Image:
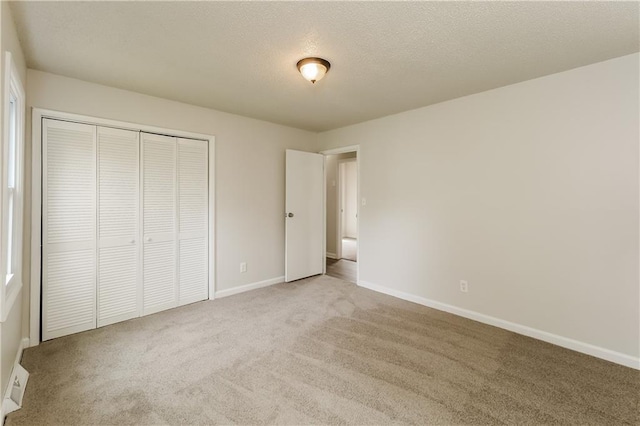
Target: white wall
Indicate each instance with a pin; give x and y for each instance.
(530, 192)
(11, 329)
(249, 168)
(11, 334)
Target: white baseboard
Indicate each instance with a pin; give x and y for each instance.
(249, 287)
(24, 343)
(565, 342)
(332, 255)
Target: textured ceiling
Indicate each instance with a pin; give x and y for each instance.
(386, 57)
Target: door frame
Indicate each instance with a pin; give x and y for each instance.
(35, 285)
(335, 151)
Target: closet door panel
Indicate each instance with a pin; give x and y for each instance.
(118, 225)
(159, 222)
(159, 276)
(69, 152)
(117, 284)
(68, 228)
(70, 293)
(193, 279)
(193, 220)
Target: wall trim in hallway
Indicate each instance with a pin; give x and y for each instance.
(249, 287)
(332, 255)
(575, 345)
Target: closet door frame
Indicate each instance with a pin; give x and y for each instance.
(38, 114)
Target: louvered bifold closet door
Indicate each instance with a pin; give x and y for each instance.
(68, 228)
(159, 223)
(118, 224)
(193, 211)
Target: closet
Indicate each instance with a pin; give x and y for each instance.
(124, 225)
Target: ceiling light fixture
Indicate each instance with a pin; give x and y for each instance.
(313, 69)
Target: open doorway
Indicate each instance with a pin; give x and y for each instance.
(341, 174)
(347, 209)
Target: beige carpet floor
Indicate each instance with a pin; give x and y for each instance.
(317, 351)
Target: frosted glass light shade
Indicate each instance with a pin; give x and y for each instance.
(313, 69)
(313, 72)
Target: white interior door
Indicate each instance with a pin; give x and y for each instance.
(159, 221)
(118, 225)
(193, 202)
(68, 228)
(304, 207)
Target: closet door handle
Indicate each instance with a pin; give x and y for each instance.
(132, 241)
(148, 239)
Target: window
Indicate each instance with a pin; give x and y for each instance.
(12, 186)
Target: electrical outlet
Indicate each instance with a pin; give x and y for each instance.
(243, 267)
(464, 286)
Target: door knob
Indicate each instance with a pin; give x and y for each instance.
(290, 215)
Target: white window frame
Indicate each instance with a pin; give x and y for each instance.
(12, 196)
